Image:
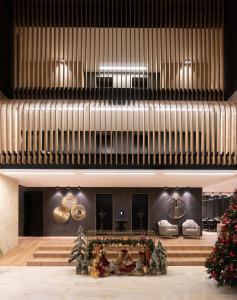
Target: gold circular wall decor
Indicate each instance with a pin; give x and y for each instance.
(78, 212)
(176, 208)
(69, 201)
(61, 214)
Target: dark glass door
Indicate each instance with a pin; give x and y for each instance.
(139, 211)
(33, 213)
(104, 211)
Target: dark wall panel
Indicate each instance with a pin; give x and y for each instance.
(122, 199)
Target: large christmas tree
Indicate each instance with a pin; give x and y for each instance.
(222, 262)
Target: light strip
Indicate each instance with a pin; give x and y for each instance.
(35, 173)
(122, 68)
(119, 173)
(200, 173)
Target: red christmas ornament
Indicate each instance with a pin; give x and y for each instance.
(232, 254)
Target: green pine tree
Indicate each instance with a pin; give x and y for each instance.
(78, 253)
(162, 258)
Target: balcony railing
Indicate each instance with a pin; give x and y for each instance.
(99, 133)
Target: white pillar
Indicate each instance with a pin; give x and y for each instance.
(8, 213)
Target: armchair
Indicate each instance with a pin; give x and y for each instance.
(191, 228)
(167, 229)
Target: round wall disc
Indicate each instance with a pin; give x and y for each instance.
(78, 212)
(61, 214)
(69, 201)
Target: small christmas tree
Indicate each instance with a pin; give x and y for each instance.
(162, 258)
(222, 262)
(78, 253)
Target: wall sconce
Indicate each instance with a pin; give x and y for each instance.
(122, 213)
(187, 61)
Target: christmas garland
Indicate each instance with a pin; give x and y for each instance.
(128, 242)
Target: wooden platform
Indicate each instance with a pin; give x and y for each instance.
(54, 251)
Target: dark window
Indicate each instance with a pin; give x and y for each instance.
(104, 81)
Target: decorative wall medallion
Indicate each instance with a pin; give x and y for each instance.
(69, 201)
(176, 208)
(61, 214)
(78, 212)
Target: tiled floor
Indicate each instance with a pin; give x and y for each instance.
(42, 283)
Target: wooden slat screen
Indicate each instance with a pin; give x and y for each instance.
(97, 133)
(119, 49)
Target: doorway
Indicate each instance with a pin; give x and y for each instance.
(33, 213)
(139, 211)
(104, 211)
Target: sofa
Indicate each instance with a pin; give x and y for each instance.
(167, 229)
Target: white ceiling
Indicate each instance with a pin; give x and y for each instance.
(215, 180)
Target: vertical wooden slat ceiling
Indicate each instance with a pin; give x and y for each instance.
(97, 133)
(119, 49)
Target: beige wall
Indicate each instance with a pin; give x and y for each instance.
(8, 213)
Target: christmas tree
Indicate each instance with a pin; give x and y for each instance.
(161, 258)
(79, 253)
(222, 262)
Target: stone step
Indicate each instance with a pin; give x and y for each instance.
(198, 261)
(188, 247)
(66, 254)
(117, 248)
(188, 253)
(64, 262)
(51, 254)
(55, 248)
(49, 262)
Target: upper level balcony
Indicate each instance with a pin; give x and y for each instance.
(118, 50)
(98, 134)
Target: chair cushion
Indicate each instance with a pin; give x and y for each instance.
(165, 223)
(190, 224)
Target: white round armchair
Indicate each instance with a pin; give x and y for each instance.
(191, 228)
(167, 229)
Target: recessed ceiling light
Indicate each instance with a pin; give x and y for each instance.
(38, 173)
(201, 173)
(119, 173)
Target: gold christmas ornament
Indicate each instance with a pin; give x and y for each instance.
(78, 212)
(69, 201)
(61, 214)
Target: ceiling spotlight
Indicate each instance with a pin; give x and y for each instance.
(176, 188)
(79, 188)
(68, 188)
(166, 188)
(62, 60)
(57, 188)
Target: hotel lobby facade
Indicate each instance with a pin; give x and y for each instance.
(115, 116)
